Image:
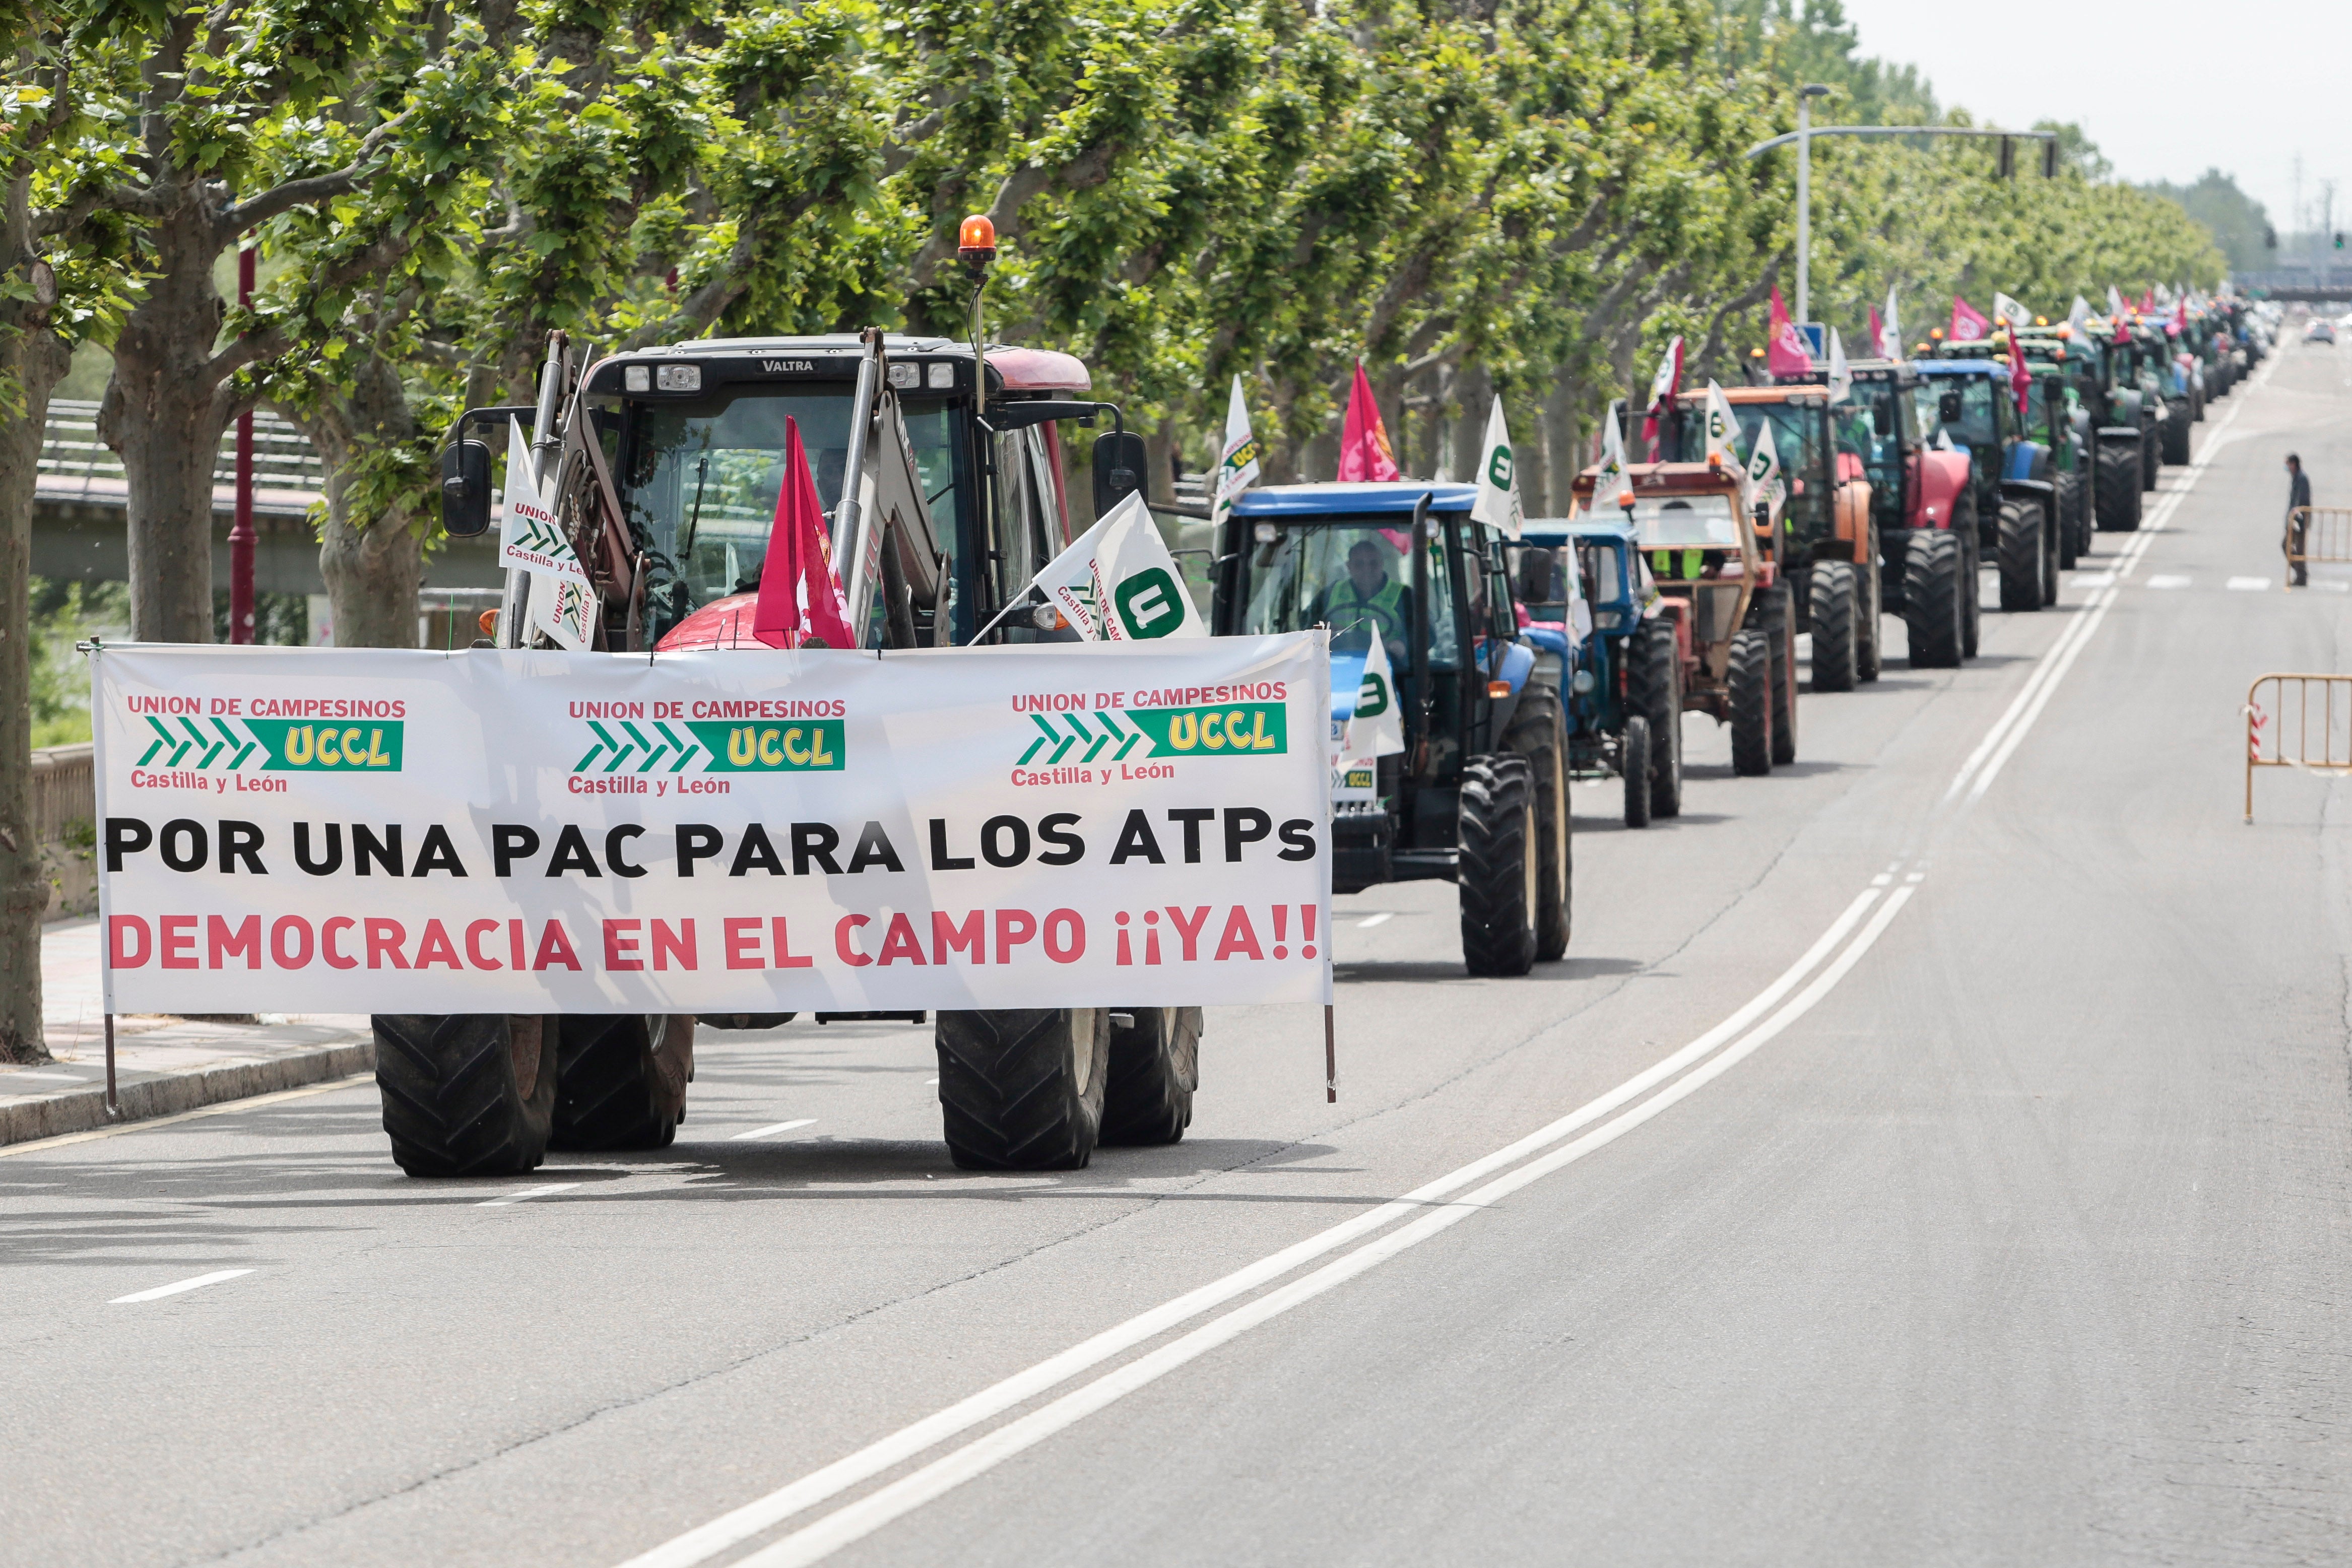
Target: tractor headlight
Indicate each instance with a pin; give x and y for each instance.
(678, 377)
(638, 378)
(1583, 683)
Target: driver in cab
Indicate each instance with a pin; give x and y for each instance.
(1370, 598)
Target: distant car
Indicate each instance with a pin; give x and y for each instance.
(2320, 332)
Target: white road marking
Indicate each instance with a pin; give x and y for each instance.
(527, 1193)
(2091, 579)
(729, 1529)
(2168, 580)
(1369, 922)
(929, 1082)
(870, 1513)
(2000, 742)
(2248, 585)
(2333, 587)
(198, 1283)
(778, 1127)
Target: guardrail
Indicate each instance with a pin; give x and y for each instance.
(75, 466)
(2317, 536)
(64, 791)
(2268, 729)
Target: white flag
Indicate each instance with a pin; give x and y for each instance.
(1890, 327)
(1376, 728)
(1498, 482)
(2114, 303)
(1116, 583)
(1610, 477)
(1238, 464)
(1764, 466)
(2078, 319)
(1722, 426)
(558, 600)
(2005, 308)
(1841, 376)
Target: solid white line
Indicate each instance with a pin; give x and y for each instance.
(198, 1283)
(2248, 585)
(778, 1127)
(1369, 922)
(707, 1540)
(870, 1513)
(527, 1193)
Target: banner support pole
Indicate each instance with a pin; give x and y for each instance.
(1330, 1056)
(114, 1101)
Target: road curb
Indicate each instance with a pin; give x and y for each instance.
(81, 1110)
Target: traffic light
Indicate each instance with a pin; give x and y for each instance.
(2007, 159)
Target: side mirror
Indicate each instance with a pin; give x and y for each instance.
(466, 490)
(1120, 460)
(1537, 567)
(1947, 408)
(1882, 419)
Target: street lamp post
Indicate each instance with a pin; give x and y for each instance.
(1805, 96)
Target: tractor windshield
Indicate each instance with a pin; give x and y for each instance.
(701, 476)
(1352, 575)
(1701, 521)
(1964, 413)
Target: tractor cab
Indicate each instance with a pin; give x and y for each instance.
(2011, 479)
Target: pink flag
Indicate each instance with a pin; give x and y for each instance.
(2020, 377)
(1877, 332)
(1364, 449)
(1662, 388)
(1787, 354)
(2147, 301)
(1967, 326)
(800, 603)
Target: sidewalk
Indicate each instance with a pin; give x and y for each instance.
(162, 1065)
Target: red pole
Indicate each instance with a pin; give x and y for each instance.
(241, 533)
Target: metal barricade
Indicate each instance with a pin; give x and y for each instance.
(2316, 536)
(2280, 735)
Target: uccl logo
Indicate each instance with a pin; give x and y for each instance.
(286, 745)
(718, 746)
(1228, 730)
(1372, 698)
(1149, 603)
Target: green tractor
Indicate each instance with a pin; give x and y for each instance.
(2061, 400)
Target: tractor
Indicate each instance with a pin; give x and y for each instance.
(940, 469)
(1623, 679)
(1719, 561)
(1833, 568)
(2058, 410)
(1478, 797)
(2011, 473)
(1923, 507)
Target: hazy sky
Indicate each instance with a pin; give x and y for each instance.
(2242, 87)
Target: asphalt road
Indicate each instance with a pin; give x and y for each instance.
(1989, 1205)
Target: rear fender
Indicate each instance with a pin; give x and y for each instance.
(2026, 462)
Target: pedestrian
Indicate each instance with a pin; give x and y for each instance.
(2298, 516)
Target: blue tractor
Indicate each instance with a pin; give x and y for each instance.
(1623, 678)
(1478, 797)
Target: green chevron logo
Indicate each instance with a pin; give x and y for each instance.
(284, 745)
(1244, 728)
(615, 750)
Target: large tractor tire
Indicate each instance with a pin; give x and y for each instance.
(1781, 626)
(1496, 865)
(2118, 484)
(1932, 610)
(2196, 406)
(1155, 1066)
(621, 1080)
(2151, 454)
(745, 1020)
(1633, 754)
(1653, 689)
(2066, 502)
(1539, 732)
(2176, 433)
(466, 1094)
(1022, 1088)
(2021, 554)
(1833, 615)
(1751, 678)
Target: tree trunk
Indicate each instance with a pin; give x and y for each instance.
(33, 359)
(1474, 390)
(373, 566)
(1563, 453)
(162, 415)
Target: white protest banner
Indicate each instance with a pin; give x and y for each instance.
(365, 830)
(1123, 563)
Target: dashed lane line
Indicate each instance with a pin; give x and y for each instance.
(770, 1131)
(527, 1193)
(178, 1287)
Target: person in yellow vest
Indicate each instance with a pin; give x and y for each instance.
(1370, 598)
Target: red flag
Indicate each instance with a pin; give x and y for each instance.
(2147, 301)
(1877, 332)
(2020, 377)
(1364, 449)
(1786, 354)
(1967, 326)
(800, 603)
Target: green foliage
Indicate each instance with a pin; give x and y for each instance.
(62, 615)
(2237, 221)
